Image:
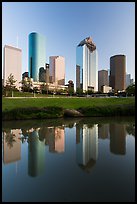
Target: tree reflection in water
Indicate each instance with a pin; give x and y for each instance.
(10, 139)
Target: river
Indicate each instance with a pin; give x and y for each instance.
(69, 160)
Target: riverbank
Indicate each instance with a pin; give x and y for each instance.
(42, 108)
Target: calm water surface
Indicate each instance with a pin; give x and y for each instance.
(80, 160)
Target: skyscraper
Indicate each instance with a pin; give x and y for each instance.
(57, 69)
(118, 72)
(37, 56)
(87, 65)
(12, 63)
(47, 72)
(102, 78)
(128, 80)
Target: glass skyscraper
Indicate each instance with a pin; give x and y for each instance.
(87, 65)
(37, 56)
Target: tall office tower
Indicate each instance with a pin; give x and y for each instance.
(102, 79)
(37, 56)
(118, 72)
(57, 69)
(42, 74)
(128, 80)
(87, 65)
(47, 72)
(78, 84)
(12, 63)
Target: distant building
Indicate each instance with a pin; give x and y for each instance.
(42, 74)
(86, 65)
(78, 84)
(106, 89)
(47, 73)
(118, 72)
(12, 63)
(57, 70)
(128, 78)
(37, 56)
(25, 74)
(102, 79)
(131, 81)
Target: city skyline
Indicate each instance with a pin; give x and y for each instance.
(65, 24)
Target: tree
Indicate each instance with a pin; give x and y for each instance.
(10, 82)
(79, 91)
(10, 139)
(27, 84)
(130, 90)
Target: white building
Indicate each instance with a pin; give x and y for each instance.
(12, 63)
(106, 89)
(87, 63)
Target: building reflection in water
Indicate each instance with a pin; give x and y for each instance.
(86, 146)
(36, 154)
(59, 140)
(118, 138)
(11, 146)
(54, 137)
(103, 131)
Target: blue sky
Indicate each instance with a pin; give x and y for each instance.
(65, 24)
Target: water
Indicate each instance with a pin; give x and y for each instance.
(72, 160)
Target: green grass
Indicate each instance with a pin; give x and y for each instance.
(41, 108)
(70, 103)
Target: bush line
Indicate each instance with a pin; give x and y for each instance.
(57, 112)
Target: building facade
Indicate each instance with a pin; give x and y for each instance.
(37, 55)
(57, 70)
(86, 65)
(12, 64)
(102, 79)
(118, 72)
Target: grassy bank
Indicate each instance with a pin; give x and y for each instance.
(29, 108)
